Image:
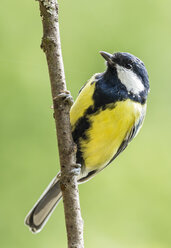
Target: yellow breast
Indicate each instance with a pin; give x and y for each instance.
(83, 101)
(108, 129)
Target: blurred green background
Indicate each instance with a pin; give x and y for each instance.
(128, 205)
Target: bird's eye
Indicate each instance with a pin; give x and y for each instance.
(128, 66)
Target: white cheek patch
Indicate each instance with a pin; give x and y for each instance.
(130, 80)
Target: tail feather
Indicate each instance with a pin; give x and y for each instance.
(40, 213)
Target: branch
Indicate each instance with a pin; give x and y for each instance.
(61, 101)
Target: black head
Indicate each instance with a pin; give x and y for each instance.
(127, 65)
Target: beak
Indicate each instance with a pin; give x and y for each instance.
(107, 56)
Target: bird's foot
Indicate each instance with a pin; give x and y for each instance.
(76, 169)
(64, 96)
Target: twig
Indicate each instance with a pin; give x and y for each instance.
(61, 100)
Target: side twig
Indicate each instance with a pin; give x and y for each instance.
(61, 101)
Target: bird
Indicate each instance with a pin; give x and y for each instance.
(107, 114)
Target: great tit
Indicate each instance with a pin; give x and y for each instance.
(107, 114)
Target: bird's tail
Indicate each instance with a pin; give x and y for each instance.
(44, 207)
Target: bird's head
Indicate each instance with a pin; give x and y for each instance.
(130, 70)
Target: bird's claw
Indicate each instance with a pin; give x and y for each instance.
(66, 97)
(76, 169)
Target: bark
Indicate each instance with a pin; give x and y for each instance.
(62, 102)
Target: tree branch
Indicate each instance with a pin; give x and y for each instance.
(61, 101)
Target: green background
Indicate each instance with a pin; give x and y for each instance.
(128, 205)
